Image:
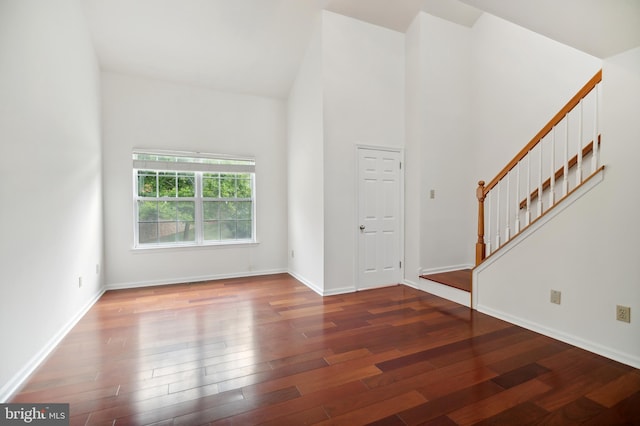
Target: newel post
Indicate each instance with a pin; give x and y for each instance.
(480, 245)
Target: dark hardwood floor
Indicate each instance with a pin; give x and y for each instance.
(268, 350)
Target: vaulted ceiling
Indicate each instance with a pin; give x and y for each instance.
(255, 46)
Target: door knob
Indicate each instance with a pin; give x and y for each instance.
(362, 227)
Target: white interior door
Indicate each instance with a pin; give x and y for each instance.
(379, 218)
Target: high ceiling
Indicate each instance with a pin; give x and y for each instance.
(255, 46)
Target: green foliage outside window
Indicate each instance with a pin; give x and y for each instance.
(225, 200)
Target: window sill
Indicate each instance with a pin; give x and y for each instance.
(186, 247)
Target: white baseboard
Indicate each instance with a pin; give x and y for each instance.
(139, 284)
(446, 292)
(320, 291)
(427, 271)
(306, 282)
(18, 379)
(341, 290)
(579, 342)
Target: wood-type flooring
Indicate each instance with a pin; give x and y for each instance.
(267, 350)
(460, 279)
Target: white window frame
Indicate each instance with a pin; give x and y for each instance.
(198, 164)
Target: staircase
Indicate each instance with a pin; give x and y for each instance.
(559, 164)
(560, 160)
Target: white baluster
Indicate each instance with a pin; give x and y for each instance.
(552, 179)
(527, 214)
(517, 222)
(579, 164)
(498, 215)
(540, 180)
(488, 243)
(594, 159)
(565, 177)
(508, 212)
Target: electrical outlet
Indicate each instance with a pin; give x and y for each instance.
(79, 282)
(556, 296)
(432, 194)
(623, 313)
(293, 254)
(97, 268)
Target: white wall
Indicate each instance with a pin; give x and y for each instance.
(363, 79)
(50, 180)
(305, 162)
(589, 252)
(414, 131)
(145, 113)
(446, 234)
(520, 80)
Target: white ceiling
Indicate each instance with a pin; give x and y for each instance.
(255, 46)
(245, 46)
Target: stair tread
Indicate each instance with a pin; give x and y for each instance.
(460, 279)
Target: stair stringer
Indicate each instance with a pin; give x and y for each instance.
(518, 291)
(530, 230)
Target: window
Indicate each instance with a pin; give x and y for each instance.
(189, 199)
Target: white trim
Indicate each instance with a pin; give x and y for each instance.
(380, 148)
(411, 284)
(441, 290)
(183, 280)
(623, 357)
(192, 167)
(191, 154)
(306, 282)
(452, 294)
(23, 374)
(442, 269)
(341, 290)
(181, 247)
(318, 290)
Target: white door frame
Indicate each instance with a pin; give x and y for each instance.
(356, 219)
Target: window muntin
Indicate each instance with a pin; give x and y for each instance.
(175, 207)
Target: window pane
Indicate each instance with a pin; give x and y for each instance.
(167, 211)
(187, 211)
(147, 232)
(211, 185)
(212, 230)
(244, 186)
(211, 210)
(147, 211)
(228, 186)
(244, 209)
(227, 230)
(226, 200)
(167, 232)
(147, 184)
(228, 210)
(167, 184)
(186, 231)
(244, 229)
(186, 185)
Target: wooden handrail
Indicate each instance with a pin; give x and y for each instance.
(483, 189)
(597, 78)
(560, 172)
